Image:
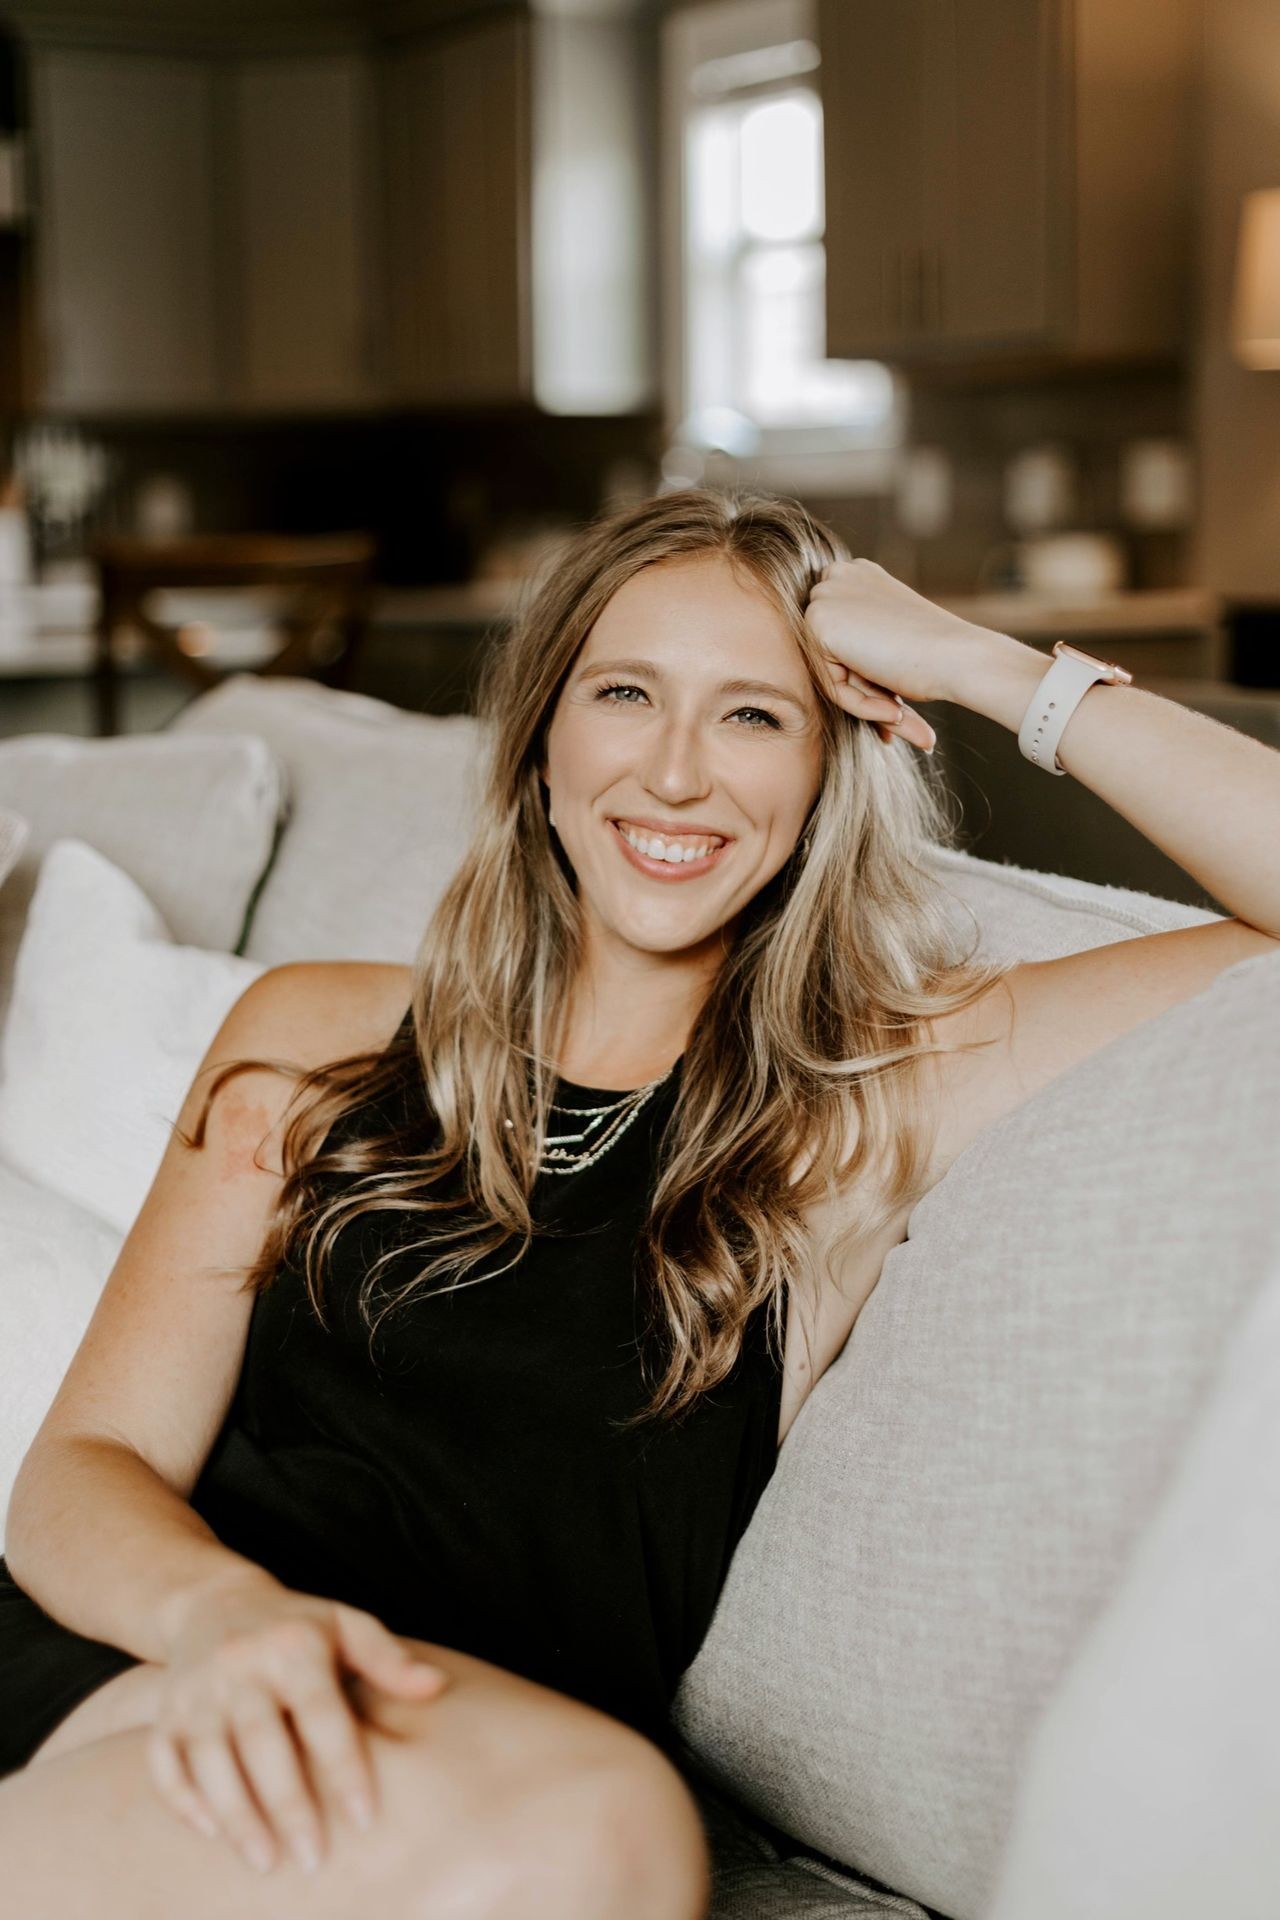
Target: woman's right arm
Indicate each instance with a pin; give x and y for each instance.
(99, 1530)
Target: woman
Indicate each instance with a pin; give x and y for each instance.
(390, 1557)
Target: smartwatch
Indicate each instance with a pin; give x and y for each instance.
(1056, 699)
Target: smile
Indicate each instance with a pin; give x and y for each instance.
(668, 856)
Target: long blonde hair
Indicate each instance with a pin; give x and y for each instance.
(799, 1072)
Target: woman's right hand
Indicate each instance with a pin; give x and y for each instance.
(253, 1718)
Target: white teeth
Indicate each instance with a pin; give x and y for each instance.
(674, 852)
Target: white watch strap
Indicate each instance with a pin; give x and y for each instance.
(1052, 705)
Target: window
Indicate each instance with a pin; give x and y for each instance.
(750, 392)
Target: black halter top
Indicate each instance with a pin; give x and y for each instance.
(469, 1487)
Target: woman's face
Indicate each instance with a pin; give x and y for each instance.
(683, 756)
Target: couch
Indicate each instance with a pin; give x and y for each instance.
(999, 1642)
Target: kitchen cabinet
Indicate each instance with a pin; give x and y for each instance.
(303, 232)
(1008, 180)
(518, 218)
(456, 175)
(124, 232)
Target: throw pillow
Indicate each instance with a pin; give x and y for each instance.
(382, 806)
(109, 1022)
(54, 1262)
(193, 821)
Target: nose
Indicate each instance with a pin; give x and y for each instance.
(675, 768)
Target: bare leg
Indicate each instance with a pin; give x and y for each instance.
(500, 1800)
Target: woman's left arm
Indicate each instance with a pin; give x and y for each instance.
(1204, 794)
(1207, 796)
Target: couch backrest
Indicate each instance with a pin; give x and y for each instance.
(958, 1495)
(379, 805)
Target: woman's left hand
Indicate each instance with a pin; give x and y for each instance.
(883, 644)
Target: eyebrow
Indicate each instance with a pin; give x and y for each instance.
(726, 686)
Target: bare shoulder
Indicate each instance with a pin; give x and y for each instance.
(322, 1010)
(288, 1021)
(1045, 1016)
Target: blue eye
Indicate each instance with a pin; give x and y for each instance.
(764, 719)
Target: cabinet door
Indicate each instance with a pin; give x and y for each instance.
(997, 131)
(301, 232)
(457, 179)
(124, 229)
(874, 157)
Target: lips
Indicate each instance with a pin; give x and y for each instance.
(669, 870)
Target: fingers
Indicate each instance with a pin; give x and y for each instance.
(216, 1772)
(270, 1759)
(336, 1748)
(889, 712)
(172, 1781)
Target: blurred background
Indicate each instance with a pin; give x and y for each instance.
(382, 298)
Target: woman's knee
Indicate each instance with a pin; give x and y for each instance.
(615, 1839)
(537, 1803)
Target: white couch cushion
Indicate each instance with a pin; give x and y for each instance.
(382, 803)
(192, 821)
(958, 1494)
(1022, 914)
(15, 831)
(108, 1023)
(54, 1260)
(1162, 1748)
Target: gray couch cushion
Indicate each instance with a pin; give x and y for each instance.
(381, 802)
(956, 1499)
(192, 821)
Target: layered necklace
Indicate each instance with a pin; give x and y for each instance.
(599, 1128)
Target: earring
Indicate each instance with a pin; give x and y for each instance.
(551, 818)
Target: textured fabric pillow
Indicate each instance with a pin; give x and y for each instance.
(108, 1023)
(1154, 1778)
(15, 831)
(192, 821)
(958, 1495)
(54, 1261)
(383, 804)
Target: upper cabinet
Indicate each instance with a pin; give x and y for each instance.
(453, 216)
(204, 233)
(124, 232)
(1008, 180)
(518, 214)
(457, 170)
(302, 232)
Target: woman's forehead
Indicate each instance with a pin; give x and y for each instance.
(698, 601)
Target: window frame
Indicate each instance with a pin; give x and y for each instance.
(833, 460)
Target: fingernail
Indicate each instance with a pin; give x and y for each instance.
(260, 1856)
(360, 1810)
(308, 1853)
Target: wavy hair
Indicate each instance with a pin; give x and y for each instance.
(800, 1078)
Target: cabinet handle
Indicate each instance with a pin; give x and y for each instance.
(891, 287)
(938, 316)
(919, 266)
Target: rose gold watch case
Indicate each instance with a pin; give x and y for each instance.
(1114, 675)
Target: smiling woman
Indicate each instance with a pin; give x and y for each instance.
(541, 1237)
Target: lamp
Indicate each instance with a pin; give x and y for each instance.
(1255, 329)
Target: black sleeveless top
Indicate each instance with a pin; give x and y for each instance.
(465, 1483)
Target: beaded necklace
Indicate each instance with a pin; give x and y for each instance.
(614, 1118)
